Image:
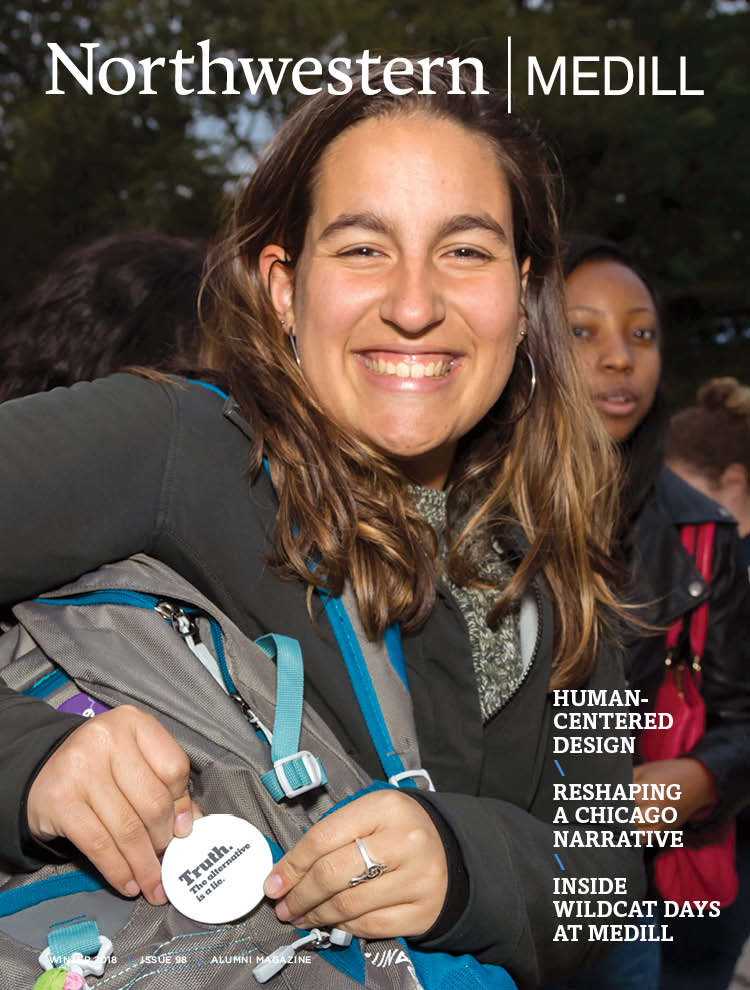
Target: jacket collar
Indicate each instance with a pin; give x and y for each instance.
(664, 574)
(684, 505)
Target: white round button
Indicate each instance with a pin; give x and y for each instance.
(216, 873)
(695, 588)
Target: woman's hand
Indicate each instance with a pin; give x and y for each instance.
(312, 880)
(696, 789)
(117, 788)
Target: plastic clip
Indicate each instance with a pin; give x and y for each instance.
(78, 963)
(312, 767)
(406, 774)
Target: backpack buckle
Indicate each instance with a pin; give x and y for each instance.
(78, 963)
(406, 774)
(311, 766)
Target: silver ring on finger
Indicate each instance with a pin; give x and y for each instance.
(372, 869)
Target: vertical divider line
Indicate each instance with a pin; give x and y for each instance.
(510, 52)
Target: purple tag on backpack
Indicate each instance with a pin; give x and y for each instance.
(82, 704)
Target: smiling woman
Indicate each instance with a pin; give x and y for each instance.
(386, 312)
(407, 231)
(407, 315)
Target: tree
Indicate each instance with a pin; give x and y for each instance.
(669, 177)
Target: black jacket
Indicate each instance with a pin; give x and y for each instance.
(105, 469)
(666, 577)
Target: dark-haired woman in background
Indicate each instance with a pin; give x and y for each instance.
(121, 300)
(615, 323)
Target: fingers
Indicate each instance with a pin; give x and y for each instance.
(182, 816)
(327, 881)
(84, 829)
(118, 789)
(137, 784)
(124, 839)
(162, 795)
(354, 905)
(312, 880)
(328, 835)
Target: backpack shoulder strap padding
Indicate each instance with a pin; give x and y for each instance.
(378, 675)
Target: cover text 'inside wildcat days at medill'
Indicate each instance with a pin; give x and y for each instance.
(577, 75)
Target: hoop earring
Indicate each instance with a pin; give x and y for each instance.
(529, 397)
(532, 387)
(293, 342)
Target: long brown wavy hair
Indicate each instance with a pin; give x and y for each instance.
(542, 481)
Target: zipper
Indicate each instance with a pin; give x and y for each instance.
(119, 596)
(534, 653)
(317, 938)
(186, 627)
(497, 547)
(445, 593)
(252, 718)
(181, 618)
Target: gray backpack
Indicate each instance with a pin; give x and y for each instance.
(136, 633)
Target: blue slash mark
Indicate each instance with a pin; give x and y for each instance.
(559, 862)
(562, 772)
(70, 921)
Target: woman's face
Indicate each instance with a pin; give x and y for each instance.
(406, 299)
(616, 329)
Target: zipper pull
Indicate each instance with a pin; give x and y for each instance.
(282, 956)
(317, 939)
(253, 718)
(187, 628)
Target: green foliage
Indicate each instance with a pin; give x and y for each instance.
(667, 176)
(74, 167)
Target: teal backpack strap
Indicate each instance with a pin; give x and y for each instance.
(294, 771)
(378, 675)
(212, 388)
